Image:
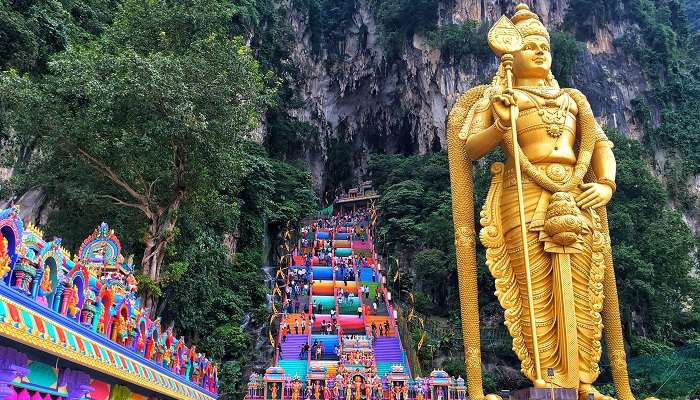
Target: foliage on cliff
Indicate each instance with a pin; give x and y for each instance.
(31, 31)
(692, 10)
(664, 41)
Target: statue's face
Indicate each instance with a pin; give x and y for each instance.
(534, 60)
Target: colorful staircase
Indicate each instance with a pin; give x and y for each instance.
(380, 353)
(383, 368)
(329, 344)
(331, 366)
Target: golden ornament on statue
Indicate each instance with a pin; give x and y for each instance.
(544, 223)
(504, 37)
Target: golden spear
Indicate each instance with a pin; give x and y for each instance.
(504, 38)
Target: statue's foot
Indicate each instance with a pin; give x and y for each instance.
(586, 389)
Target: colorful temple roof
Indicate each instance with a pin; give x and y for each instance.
(84, 310)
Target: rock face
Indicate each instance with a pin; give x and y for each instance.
(401, 105)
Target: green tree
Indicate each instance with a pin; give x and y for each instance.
(456, 41)
(399, 19)
(564, 52)
(432, 271)
(214, 292)
(155, 110)
(652, 249)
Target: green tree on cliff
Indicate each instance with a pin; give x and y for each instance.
(153, 111)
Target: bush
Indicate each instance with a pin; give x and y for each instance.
(564, 52)
(400, 19)
(457, 41)
(666, 375)
(455, 368)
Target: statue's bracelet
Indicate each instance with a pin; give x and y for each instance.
(608, 182)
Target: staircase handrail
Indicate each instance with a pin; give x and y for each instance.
(411, 354)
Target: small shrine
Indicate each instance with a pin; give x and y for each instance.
(398, 382)
(317, 379)
(274, 383)
(460, 388)
(440, 385)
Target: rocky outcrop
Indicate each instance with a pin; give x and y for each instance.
(401, 105)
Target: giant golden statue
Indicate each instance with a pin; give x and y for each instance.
(552, 191)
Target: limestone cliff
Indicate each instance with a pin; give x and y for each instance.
(401, 105)
(351, 89)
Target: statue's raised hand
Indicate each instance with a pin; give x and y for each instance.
(503, 106)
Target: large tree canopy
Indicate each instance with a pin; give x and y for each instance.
(157, 108)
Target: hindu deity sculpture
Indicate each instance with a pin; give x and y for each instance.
(4, 257)
(419, 393)
(44, 287)
(191, 360)
(397, 392)
(296, 389)
(72, 308)
(273, 392)
(168, 337)
(167, 357)
(326, 392)
(368, 389)
(441, 393)
(214, 380)
(130, 332)
(379, 390)
(337, 386)
(550, 194)
(357, 385)
(121, 329)
(177, 366)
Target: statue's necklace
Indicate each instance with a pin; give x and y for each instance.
(546, 92)
(555, 118)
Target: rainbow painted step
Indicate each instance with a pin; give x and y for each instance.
(292, 346)
(329, 344)
(388, 349)
(368, 275)
(294, 368)
(323, 304)
(343, 252)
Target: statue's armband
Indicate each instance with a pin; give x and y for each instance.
(478, 119)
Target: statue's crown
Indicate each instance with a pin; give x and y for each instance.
(528, 23)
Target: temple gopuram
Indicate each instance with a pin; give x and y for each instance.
(72, 326)
(338, 337)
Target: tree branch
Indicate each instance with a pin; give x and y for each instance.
(150, 188)
(111, 175)
(123, 203)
